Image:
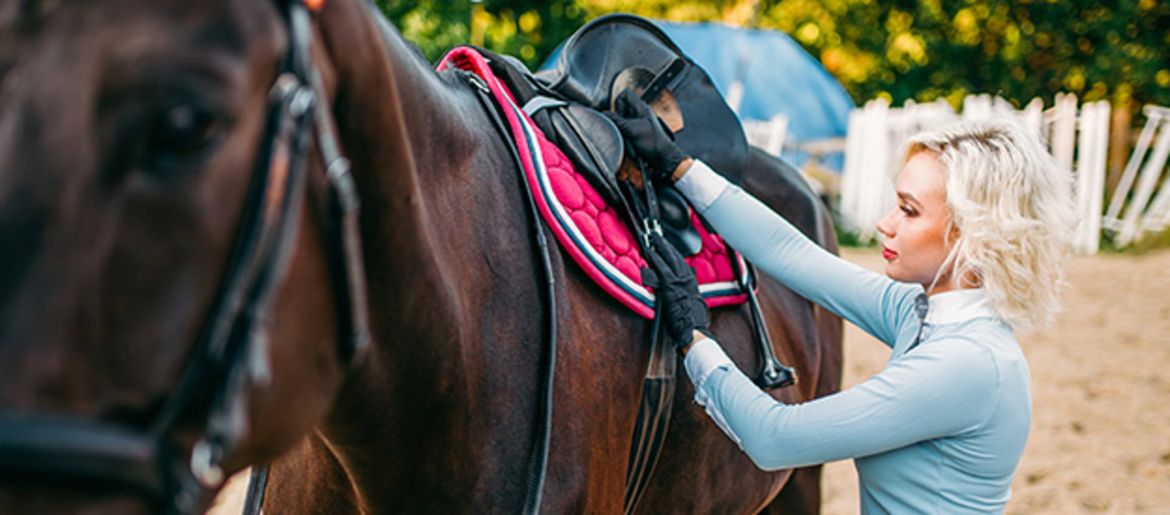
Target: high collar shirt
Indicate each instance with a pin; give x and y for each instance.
(940, 430)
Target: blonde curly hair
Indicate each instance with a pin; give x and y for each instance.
(1012, 207)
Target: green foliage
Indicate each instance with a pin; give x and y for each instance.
(528, 29)
(848, 238)
(1148, 242)
(1116, 50)
(901, 49)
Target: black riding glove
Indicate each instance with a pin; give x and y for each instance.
(677, 290)
(649, 136)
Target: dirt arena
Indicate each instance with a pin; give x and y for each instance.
(1100, 439)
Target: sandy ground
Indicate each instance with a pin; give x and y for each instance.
(1100, 439)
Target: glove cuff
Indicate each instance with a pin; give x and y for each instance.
(669, 162)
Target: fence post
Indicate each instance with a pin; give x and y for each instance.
(1033, 117)
(851, 174)
(875, 173)
(1062, 137)
(1092, 147)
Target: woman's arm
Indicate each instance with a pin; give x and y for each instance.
(870, 300)
(938, 390)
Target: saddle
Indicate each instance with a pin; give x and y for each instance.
(593, 143)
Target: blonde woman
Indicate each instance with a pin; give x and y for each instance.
(974, 250)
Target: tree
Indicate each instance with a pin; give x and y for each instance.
(904, 50)
(528, 29)
(1118, 50)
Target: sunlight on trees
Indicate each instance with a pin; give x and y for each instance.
(925, 50)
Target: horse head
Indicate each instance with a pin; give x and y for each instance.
(182, 280)
(180, 283)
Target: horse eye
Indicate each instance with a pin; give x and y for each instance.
(180, 136)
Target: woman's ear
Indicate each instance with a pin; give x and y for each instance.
(950, 231)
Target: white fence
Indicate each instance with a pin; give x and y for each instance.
(1131, 212)
(1077, 138)
(768, 135)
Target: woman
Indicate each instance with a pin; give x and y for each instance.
(974, 249)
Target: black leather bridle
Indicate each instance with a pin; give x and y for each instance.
(231, 352)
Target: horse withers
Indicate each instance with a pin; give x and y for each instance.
(138, 145)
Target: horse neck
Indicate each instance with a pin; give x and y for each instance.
(405, 130)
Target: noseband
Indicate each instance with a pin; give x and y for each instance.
(232, 349)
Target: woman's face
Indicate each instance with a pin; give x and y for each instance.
(915, 246)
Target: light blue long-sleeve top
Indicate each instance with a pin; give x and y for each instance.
(940, 430)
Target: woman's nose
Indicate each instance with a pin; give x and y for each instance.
(886, 225)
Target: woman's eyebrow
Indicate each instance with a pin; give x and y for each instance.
(909, 198)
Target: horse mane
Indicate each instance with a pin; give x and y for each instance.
(416, 52)
(385, 29)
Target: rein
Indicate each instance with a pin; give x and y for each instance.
(232, 348)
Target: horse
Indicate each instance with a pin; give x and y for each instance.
(131, 133)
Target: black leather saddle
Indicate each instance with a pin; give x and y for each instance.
(595, 146)
(625, 48)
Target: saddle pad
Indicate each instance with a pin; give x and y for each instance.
(591, 231)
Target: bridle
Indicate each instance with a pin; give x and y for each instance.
(232, 348)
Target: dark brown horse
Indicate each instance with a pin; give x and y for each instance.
(129, 131)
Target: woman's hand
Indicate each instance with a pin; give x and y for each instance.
(674, 284)
(648, 135)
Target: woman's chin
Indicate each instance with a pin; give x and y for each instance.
(892, 271)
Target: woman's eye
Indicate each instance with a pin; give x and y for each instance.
(909, 211)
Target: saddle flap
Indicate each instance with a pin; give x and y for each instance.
(592, 141)
(645, 58)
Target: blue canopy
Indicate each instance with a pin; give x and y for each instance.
(778, 76)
